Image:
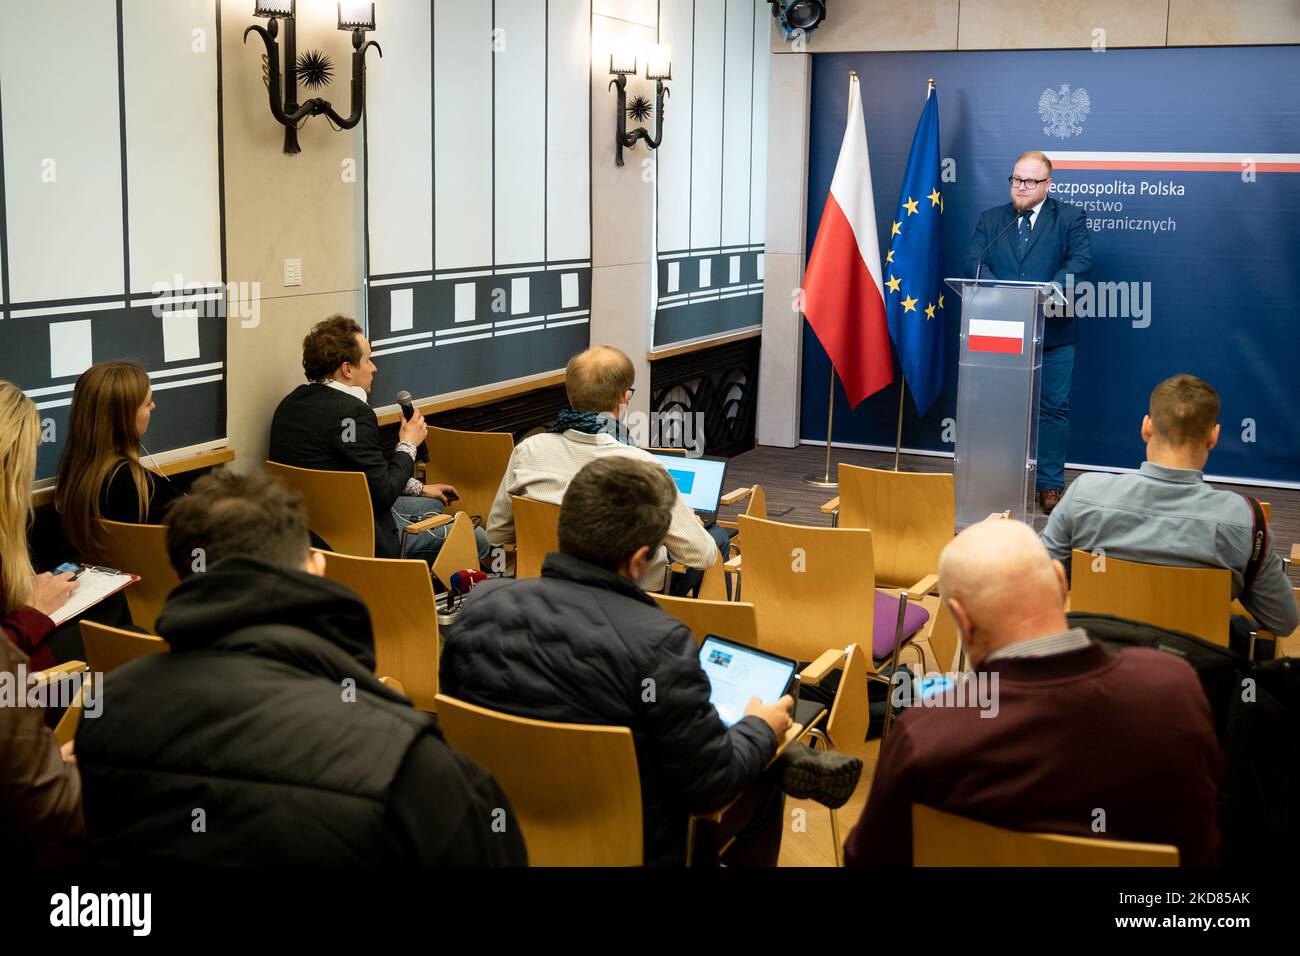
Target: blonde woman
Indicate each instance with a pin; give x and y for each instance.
(40, 791)
(28, 598)
(100, 474)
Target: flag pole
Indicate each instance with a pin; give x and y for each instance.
(902, 385)
(824, 480)
(898, 434)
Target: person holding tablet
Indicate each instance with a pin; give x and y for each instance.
(585, 644)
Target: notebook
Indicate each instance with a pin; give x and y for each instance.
(94, 584)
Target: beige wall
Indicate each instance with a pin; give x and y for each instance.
(871, 25)
(279, 207)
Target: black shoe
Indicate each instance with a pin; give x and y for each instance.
(826, 776)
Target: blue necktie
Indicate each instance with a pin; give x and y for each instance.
(1026, 230)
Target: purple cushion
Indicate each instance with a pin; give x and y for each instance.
(882, 640)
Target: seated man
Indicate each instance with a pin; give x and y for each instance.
(584, 644)
(328, 424)
(599, 384)
(1168, 514)
(1052, 732)
(264, 737)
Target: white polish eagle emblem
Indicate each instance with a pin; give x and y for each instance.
(1063, 111)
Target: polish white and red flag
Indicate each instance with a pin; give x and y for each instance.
(843, 292)
(996, 335)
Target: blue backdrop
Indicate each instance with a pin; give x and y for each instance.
(1222, 258)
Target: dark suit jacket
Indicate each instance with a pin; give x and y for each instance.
(1060, 246)
(308, 431)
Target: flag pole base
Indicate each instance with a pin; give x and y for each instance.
(820, 481)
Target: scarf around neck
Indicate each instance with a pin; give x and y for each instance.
(591, 423)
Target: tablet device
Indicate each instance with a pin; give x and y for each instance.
(737, 673)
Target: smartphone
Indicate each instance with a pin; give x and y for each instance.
(451, 496)
(76, 569)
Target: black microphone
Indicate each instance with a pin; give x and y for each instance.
(1018, 217)
(408, 412)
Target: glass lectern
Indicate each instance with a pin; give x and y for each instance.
(998, 380)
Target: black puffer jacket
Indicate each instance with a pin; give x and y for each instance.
(264, 738)
(580, 645)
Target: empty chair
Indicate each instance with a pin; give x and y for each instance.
(573, 787)
(812, 588)
(140, 549)
(536, 534)
(474, 463)
(911, 515)
(108, 648)
(943, 839)
(403, 616)
(1194, 600)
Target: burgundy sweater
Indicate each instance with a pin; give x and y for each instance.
(1129, 733)
(28, 628)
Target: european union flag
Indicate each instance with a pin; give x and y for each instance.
(914, 297)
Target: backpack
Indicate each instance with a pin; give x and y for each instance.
(1256, 710)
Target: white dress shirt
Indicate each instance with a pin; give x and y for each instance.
(541, 468)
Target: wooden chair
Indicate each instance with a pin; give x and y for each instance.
(459, 551)
(474, 462)
(944, 639)
(1194, 600)
(730, 619)
(536, 534)
(574, 787)
(66, 729)
(756, 507)
(912, 517)
(943, 839)
(140, 549)
(812, 588)
(338, 508)
(845, 724)
(108, 648)
(403, 616)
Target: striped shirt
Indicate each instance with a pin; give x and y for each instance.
(1072, 640)
(541, 468)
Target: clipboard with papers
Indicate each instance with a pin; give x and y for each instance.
(94, 584)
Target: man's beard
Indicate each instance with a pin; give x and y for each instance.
(1023, 204)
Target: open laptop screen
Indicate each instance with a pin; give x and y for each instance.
(737, 673)
(698, 479)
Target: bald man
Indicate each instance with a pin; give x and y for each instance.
(1054, 733)
(599, 386)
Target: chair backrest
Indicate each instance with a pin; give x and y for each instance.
(536, 533)
(943, 839)
(757, 505)
(1195, 600)
(944, 638)
(573, 787)
(812, 588)
(403, 616)
(337, 505)
(474, 462)
(912, 516)
(850, 715)
(733, 620)
(459, 551)
(140, 549)
(108, 648)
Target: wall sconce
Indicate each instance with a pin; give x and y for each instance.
(659, 67)
(315, 67)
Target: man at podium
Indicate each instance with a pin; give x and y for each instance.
(1037, 239)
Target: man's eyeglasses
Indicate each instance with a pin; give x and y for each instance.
(1017, 182)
